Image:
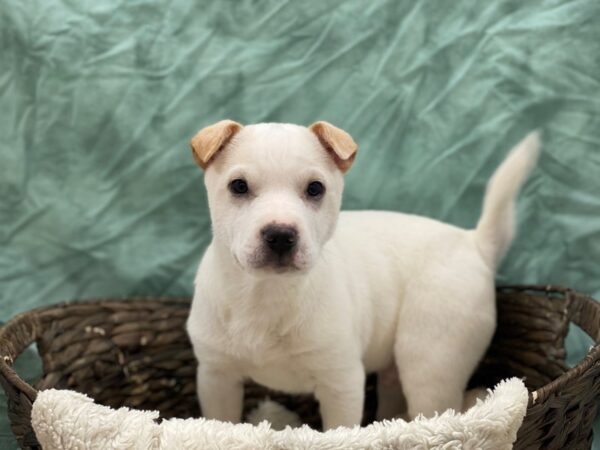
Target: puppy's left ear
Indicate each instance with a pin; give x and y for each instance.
(337, 142)
(210, 140)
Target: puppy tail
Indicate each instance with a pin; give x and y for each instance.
(495, 229)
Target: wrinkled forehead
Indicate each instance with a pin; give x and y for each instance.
(275, 146)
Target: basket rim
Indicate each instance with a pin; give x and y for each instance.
(30, 319)
(593, 354)
(6, 360)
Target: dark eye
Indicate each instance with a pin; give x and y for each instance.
(238, 187)
(315, 189)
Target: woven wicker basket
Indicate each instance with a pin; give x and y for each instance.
(135, 353)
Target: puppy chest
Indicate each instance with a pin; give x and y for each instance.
(278, 365)
(286, 375)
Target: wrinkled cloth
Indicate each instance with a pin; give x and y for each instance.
(100, 196)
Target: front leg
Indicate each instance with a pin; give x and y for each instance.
(341, 396)
(221, 394)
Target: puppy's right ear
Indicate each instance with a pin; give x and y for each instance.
(208, 141)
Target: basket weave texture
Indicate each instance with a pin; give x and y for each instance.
(136, 353)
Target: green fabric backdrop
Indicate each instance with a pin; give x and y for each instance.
(99, 195)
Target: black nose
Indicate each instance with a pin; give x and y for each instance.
(280, 239)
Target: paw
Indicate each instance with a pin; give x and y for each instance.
(277, 415)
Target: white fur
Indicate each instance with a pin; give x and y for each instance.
(66, 420)
(277, 415)
(363, 293)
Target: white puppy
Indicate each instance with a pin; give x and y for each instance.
(301, 298)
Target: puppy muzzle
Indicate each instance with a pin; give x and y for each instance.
(279, 246)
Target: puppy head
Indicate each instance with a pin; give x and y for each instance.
(274, 190)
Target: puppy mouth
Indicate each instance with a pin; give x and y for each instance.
(268, 262)
(278, 264)
(282, 267)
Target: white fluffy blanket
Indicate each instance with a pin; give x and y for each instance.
(65, 420)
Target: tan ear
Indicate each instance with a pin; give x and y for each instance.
(337, 142)
(208, 141)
